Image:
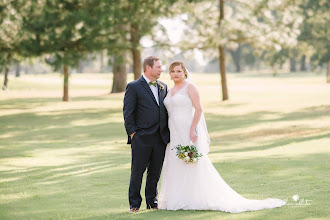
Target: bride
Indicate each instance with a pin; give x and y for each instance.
(195, 186)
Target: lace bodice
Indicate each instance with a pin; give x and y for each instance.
(179, 105)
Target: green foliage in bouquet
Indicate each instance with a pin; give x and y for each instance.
(187, 153)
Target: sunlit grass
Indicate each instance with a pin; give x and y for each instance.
(70, 160)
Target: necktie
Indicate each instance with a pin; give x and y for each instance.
(153, 83)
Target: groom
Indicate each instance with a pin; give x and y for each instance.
(146, 125)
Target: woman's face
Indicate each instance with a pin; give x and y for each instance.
(177, 74)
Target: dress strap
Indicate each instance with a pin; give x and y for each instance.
(182, 90)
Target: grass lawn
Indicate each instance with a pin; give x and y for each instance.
(71, 161)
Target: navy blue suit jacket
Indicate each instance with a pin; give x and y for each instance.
(142, 113)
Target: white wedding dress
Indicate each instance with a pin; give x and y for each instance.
(197, 186)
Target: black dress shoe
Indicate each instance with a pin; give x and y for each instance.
(133, 210)
(155, 207)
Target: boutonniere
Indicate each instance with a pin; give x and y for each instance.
(161, 87)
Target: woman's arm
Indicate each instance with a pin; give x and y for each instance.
(195, 99)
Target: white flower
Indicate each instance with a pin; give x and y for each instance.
(186, 159)
(195, 160)
(295, 198)
(186, 153)
(160, 86)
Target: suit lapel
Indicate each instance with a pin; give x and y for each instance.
(160, 97)
(147, 87)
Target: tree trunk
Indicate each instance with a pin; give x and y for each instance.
(328, 72)
(257, 65)
(136, 53)
(222, 55)
(275, 69)
(101, 61)
(223, 73)
(80, 68)
(120, 70)
(7, 65)
(5, 82)
(18, 70)
(303, 63)
(236, 55)
(26, 71)
(293, 65)
(66, 84)
(137, 65)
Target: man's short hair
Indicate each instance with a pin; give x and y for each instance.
(149, 61)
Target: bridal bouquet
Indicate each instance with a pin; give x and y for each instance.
(187, 153)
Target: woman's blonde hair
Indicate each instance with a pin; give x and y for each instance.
(179, 63)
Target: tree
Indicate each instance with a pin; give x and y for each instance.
(119, 66)
(64, 30)
(315, 31)
(10, 37)
(222, 59)
(236, 57)
(267, 25)
(5, 61)
(137, 19)
(132, 21)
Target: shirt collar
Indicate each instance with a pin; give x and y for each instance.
(146, 78)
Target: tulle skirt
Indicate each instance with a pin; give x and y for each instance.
(199, 186)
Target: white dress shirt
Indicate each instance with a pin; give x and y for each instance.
(153, 89)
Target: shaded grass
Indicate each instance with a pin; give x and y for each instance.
(71, 161)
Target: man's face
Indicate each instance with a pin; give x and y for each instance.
(156, 70)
